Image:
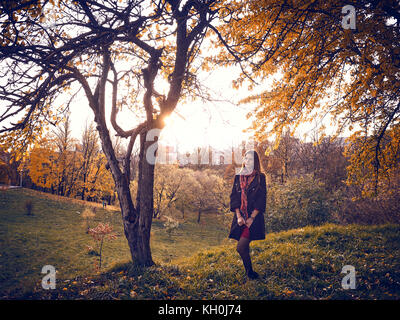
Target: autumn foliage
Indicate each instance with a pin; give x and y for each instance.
(314, 70)
(299, 62)
(102, 232)
(66, 166)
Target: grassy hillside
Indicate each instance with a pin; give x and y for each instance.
(298, 264)
(56, 235)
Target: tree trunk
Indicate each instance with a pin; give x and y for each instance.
(144, 203)
(137, 221)
(101, 249)
(84, 186)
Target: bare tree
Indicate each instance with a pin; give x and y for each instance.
(168, 181)
(99, 45)
(90, 149)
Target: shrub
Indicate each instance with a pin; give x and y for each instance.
(170, 225)
(297, 203)
(99, 234)
(381, 209)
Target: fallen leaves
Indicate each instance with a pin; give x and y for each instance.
(133, 294)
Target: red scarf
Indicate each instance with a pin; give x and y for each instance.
(245, 181)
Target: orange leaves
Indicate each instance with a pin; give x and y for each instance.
(99, 234)
(40, 164)
(364, 170)
(102, 231)
(289, 293)
(326, 70)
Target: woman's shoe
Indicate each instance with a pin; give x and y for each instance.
(253, 275)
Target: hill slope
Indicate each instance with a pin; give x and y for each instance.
(299, 264)
(56, 235)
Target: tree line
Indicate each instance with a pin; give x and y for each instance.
(77, 168)
(60, 164)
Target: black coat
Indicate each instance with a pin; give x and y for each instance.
(256, 199)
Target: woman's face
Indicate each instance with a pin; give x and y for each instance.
(249, 161)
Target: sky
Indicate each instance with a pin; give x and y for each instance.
(218, 123)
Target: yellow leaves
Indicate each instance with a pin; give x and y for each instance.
(18, 157)
(362, 169)
(374, 93)
(133, 294)
(236, 84)
(288, 292)
(368, 72)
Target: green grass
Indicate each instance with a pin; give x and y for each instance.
(55, 235)
(298, 264)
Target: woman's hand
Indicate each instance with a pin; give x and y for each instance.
(240, 221)
(249, 221)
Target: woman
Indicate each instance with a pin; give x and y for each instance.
(248, 202)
